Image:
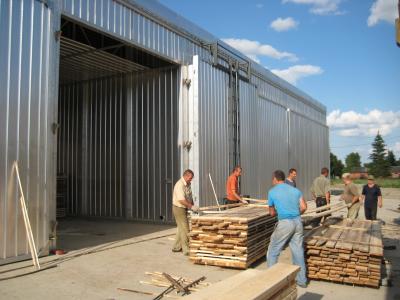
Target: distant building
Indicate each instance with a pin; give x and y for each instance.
(359, 173)
(395, 171)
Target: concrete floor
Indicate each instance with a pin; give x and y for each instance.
(105, 255)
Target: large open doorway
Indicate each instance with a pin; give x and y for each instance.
(117, 152)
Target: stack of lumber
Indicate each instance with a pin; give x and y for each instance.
(277, 282)
(349, 252)
(233, 238)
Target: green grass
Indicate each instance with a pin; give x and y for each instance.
(382, 182)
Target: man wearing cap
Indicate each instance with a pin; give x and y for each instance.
(372, 197)
(351, 196)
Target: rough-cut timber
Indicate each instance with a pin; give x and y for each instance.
(349, 252)
(234, 238)
(277, 282)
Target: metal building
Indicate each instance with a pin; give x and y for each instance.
(117, 97)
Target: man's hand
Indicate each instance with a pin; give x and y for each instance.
(195, 208)
(380, 203)
(243, 201)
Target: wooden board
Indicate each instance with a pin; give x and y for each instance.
(233, 238)
(347, 252)
(279, 280)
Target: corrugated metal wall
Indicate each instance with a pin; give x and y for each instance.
(309, 149)
(288, 99)
(118, 145)
(213, 136)
(273, 137)
(27, 81)
(122, 21)
(152, 156)
(263, 140)
(91, 146)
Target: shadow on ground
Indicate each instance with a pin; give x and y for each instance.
(76, 233)
(310, 296)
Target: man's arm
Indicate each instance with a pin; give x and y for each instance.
(186, 203)
(237, 196)
(328, 192)
(380, 201)
(272, 211)
(379, 198)
(313, 192)
(362, 196)
(303, 205)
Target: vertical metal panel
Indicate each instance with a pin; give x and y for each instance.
(129, 25)
(28, 73)
(213, 131)
(273, 137)
(288, 99)
(152, 152)
(309, 150)
(91, 146)
(263, 145)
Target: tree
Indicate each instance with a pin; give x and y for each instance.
(353, 160)
(391, 159)
(336, 166)
(379, 164)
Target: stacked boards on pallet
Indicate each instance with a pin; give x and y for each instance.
(349, 252)
(277, 282)
(233, 238)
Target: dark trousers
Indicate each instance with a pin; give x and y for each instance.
(370, 212)
(226, 201)
(320, 201)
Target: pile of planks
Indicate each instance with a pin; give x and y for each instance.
(233, 238)
(349, 252)
(277, 282)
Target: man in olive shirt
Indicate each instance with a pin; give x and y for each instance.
(320, 191)
(351, 196)
(182, 201)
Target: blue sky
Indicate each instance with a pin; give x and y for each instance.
(341, 52)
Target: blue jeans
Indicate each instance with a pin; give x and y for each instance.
(288, 230)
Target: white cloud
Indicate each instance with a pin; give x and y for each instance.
(383, 10)
(320, 7)
(350, 123)
(294, 73)
(284, 24)
(254, 49)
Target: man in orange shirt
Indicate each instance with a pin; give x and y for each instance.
(232, 187)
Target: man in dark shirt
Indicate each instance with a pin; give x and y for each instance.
(372, 198)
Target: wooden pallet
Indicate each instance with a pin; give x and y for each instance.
(277, 282)
(233, 238)
(348, 252)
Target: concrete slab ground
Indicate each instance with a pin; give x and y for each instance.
(105, 255)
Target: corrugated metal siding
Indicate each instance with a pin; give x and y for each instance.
(153, 161)
(129, 25)
(274, 138)
(27, 80)
(213, 132)
(91, 146)
(263, 141)
(290, 100)
(309, 150)
(118, 145)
